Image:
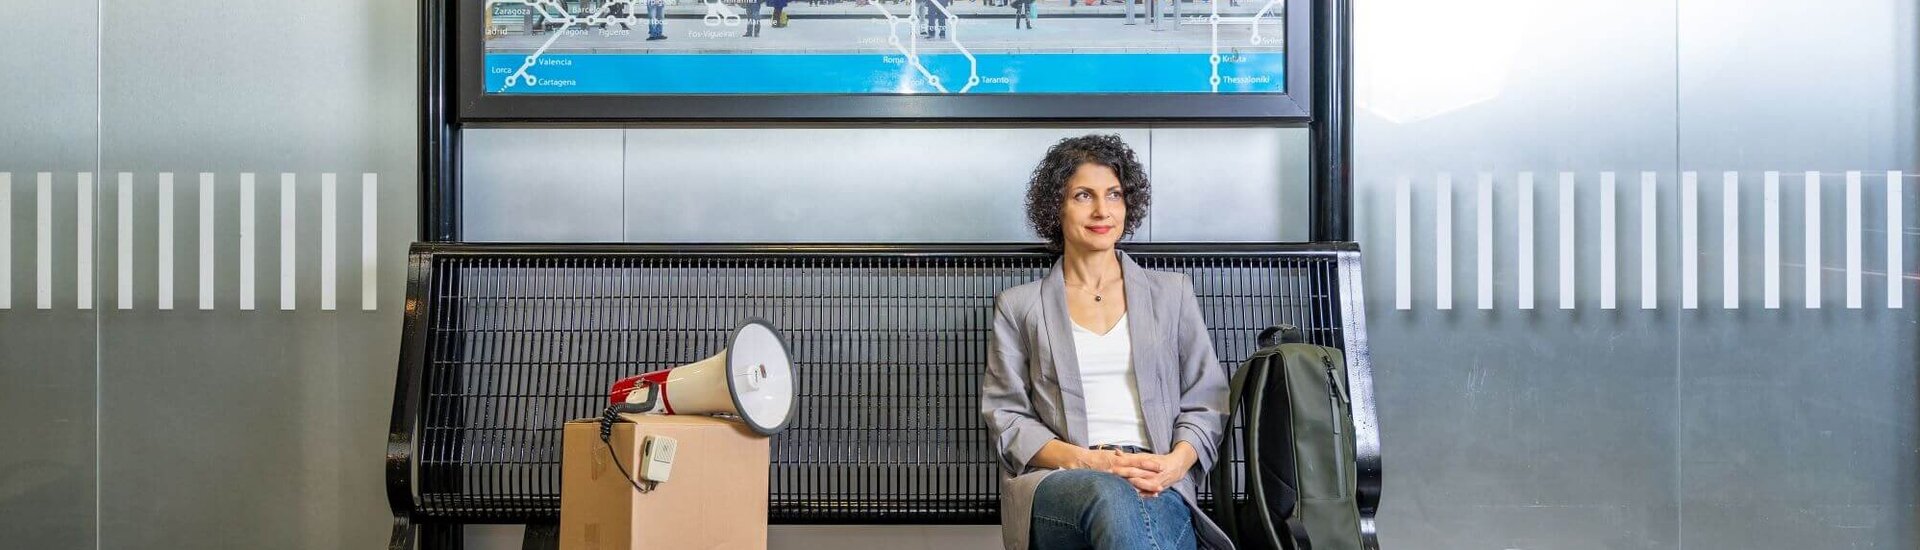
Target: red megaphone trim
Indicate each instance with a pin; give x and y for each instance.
(624, 388)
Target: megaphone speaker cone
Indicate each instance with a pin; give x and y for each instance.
(760, 378)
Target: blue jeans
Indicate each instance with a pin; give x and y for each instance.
(656, 20)
(1075, 509)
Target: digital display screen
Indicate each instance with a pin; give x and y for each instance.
(787, 47)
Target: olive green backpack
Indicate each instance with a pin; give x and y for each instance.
(1299, 472)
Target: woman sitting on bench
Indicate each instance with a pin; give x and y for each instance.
(1102, 393)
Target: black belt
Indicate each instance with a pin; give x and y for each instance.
(1122, 448)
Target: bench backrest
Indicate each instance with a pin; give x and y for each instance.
(504, 343)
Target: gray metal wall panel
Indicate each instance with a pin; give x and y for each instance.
(531, 184)
(821, 185)
(52, 96)
(1801, 424)
(1770, 440)
(869, 184)
(48, 377)
(1781, 85)
(1230, 184)
(253, 429)
(1510, 428)
(48, 123)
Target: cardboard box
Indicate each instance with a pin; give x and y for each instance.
(716, 496)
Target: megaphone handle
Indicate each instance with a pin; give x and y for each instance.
(653, 398)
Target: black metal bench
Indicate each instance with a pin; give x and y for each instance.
(504, 343)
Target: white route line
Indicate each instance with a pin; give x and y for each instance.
(1214, 20)
(559, 13)
(912, 49)
(1256, 39)
(1213, 55)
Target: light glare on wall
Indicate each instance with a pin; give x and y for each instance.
(1418, 59)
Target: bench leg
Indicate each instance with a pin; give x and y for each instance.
(402, 534)
(541, 536)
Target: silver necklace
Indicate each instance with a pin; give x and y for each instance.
(1095, 293)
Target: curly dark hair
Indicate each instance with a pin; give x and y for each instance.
(1046, 190)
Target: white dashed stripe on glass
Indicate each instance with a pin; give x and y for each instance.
(1770, 236)
(1566, 240)
(329, 244)
(1649, 241)
(1443, 242)
(1403, 245)
(206, 240)
(83, 243)
(1811, 222)
(369, 242)
(123, 268)
(6, 240)
(1523, 258)
(165, 293)
(287, 242)
(1689, 240)
(247, 267)
(1853, 240)
(1896, 239)
(43, 241)
(1483, 256)
(124, 242)
(1730, 240)
(1609, 245)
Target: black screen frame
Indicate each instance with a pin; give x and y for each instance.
(465, 22)
(1326, 96)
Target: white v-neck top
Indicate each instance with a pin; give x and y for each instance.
(1112, 391)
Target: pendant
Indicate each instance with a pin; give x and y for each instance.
(1096, 297)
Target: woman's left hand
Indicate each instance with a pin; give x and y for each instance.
(1172, 468)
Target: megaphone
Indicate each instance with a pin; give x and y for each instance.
(751, 379)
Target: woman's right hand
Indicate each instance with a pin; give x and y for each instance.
(1125, 465)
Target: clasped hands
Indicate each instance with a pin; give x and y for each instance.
(1149, 473)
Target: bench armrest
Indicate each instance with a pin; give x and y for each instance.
(403, 436)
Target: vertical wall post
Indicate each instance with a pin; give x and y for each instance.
(439, 137)
(1332, 125)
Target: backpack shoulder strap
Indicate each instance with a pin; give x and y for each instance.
(1266, 530)
(1226, 510)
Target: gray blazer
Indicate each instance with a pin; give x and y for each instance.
(1031, 393)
